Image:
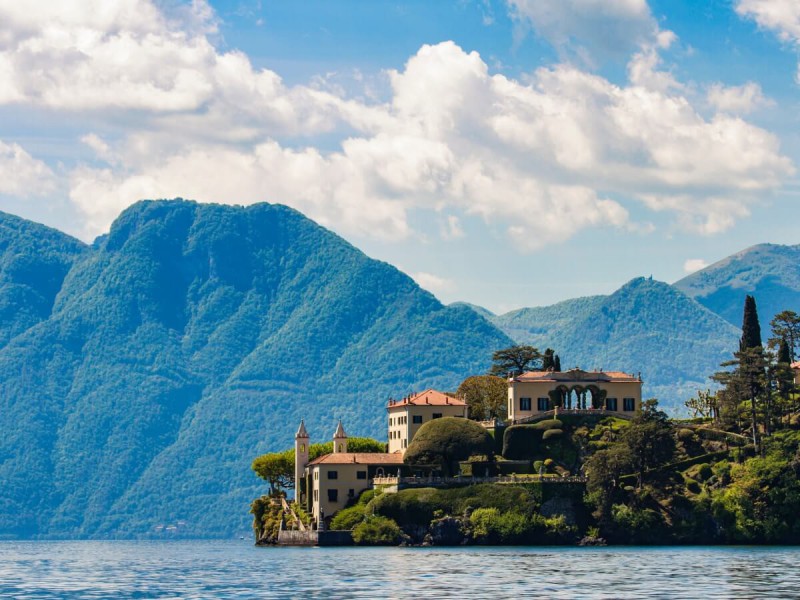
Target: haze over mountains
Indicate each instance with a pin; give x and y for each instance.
(141, 374)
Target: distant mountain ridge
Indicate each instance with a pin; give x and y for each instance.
(189, 339)
(769, 272)
(645, 327)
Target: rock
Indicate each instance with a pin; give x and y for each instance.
(447, 531)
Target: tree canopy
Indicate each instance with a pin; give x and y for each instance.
(443, 442)
(515, 360)
(486, 396)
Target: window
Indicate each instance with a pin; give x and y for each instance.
(316, 475)
(302, 447)
(416, 419)
(333, 474)
(351, 493)
(524, 403)
(543, 404)
(361, 474)
(436, 416)
(611, 404)
(629, 404)
(333, 495)
(316, 495)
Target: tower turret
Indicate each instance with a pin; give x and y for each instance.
(339, 439)
(301, 443)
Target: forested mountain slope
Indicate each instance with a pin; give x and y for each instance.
(190, 339)
(769, 272)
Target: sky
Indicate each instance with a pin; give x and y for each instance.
(504, 153)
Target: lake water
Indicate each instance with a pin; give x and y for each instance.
(236, 569)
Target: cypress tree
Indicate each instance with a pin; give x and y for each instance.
(547, 360)
(784, 356)
(557, 364)
(751, 330)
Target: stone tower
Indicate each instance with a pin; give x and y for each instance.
(339, 439)
(300, 459)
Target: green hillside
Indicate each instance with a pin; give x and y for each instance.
(646, 326)
(769, 272)
(191, 338)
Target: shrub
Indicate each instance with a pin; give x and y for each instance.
(537, 466)
(348, 518)
(551, 434)
(442, 443)
(549, 424)
(692, 485)
(377, 531)
(521, 442)
(548, 462)
(704, 472)
(368, 495)
(685, 434)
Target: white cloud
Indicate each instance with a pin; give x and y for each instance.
(694, 264)
(544, 159)
(433, 283)
(589, 28)
(739, 100)
(779, 16)
(23, 176)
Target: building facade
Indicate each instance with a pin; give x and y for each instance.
(796, 371)
(406, 416)
(536, 392)
(326, 484)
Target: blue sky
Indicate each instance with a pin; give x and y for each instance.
(508, 154)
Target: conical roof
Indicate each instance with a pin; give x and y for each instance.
(339, 431)
(301, 431)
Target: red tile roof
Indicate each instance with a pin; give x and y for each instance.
(429, 397)
(578, 375)
(358, 458)
(796, 365)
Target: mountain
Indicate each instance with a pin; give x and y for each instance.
(158, 362)
(646, 326)
(537, 325)
(769, 272)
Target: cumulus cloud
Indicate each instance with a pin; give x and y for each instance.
(589, 28)
(543, 159)
(694, 264)
(780, 16)
(740, 99)
(23, 176)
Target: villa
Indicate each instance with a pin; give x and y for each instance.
(796, 370)
(325, 485)
(406, 416)
(535, 392)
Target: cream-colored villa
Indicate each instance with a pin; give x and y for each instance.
(406, 416)
(536, 392)
(796, 369)
(326, 484)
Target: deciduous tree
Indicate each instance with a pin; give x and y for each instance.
(486, 396)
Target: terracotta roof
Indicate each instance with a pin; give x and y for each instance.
(358, 458)
(796, 365)
(429, 397)
(579, 375)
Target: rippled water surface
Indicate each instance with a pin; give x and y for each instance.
(236, 569)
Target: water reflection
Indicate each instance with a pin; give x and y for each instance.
(213, 569)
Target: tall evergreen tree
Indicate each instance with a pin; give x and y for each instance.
(548, 360)
(784, 354)
(557, 364)
(786, 326)
(751, 329)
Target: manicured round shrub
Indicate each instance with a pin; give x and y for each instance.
(552, 434)
(538, 466)
(377, 531)
(442, 443)
(704, 472)
(548, 462)
(685, 434)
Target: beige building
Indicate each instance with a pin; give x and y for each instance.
(406, 416)
(536, 392)
(796, 369)
(326, 484)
